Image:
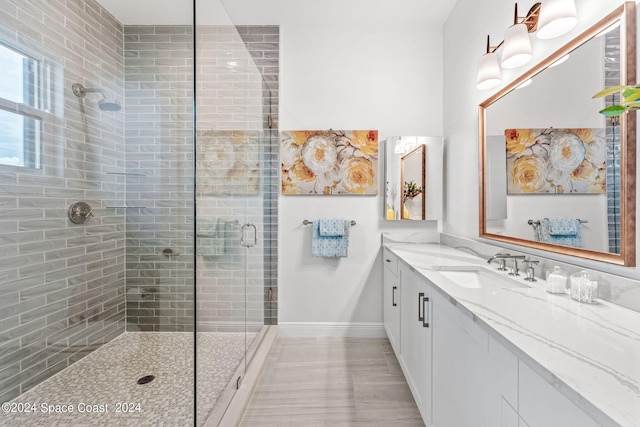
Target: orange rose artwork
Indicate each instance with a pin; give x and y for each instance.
(559, 161)
(334, 162)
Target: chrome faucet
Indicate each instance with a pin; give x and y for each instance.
(502, 266)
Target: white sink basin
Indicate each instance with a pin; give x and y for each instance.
(477, 277)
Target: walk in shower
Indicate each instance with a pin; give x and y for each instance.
(138, 209)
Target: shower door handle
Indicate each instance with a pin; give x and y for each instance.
(243, 234)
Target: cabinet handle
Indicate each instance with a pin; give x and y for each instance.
(425, 323)
(388, 260)
(393, 296)
(420, 307)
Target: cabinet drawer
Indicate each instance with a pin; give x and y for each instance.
(390, 261)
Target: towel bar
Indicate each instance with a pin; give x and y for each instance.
(307, 222)
(532, 222)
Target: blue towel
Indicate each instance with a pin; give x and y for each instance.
(332, 227)
(331, 245)
(559, 231)
(562, 226)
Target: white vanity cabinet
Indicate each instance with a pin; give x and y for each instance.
(475, 378)
(391, 299)
(460, 373)
(415, 337)
(479, 382)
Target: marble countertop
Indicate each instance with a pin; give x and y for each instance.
(590, 352)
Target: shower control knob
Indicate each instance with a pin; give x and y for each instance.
(80, 212)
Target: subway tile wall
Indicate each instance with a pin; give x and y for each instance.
(62, 284)
(159, 165)
(612, 78)
(232, 96)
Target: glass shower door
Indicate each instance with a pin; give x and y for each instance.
(230, 200)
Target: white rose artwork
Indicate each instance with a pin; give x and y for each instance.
(333, 162)
(560, 161)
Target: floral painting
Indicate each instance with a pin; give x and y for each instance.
(560, 161)
(334, 162)
(228, 162)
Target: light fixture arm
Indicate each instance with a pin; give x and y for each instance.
(531, 21)
(492, 49)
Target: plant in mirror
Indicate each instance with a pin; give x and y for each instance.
(628, 97)
(552, 159)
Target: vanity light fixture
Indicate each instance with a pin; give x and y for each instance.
(489, 75)
(551, 17)
(517, 46)
(404, 144)
(524, 84)
(399, 149)
(559, 61)
(557, 17)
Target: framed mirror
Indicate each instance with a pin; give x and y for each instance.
(413, 171)
(555, 174)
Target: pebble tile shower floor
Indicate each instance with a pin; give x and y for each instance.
(109, 376)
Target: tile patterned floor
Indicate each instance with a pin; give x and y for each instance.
(332, 381)
(108, 376)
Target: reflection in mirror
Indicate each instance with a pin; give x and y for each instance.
(556, 174)
(412, 167)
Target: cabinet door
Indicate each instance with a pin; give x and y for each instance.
(461, 397)
(509, 416)
(415, 338)
(502, 383)
(541, 405)
(391, 308)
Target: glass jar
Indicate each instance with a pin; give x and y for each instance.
(556, 281)
(584, 287)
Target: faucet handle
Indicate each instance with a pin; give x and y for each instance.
(502, 265)
(514, 267)
(530, 270)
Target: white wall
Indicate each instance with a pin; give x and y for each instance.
(354, 76)
(465, 34)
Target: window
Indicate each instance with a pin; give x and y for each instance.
(25, 100)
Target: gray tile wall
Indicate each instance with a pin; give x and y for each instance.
(62, 284)
(159, 164)
(612, 78)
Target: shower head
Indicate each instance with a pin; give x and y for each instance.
(80, 91)
(105, 105)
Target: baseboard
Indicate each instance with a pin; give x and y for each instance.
(331, 329)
